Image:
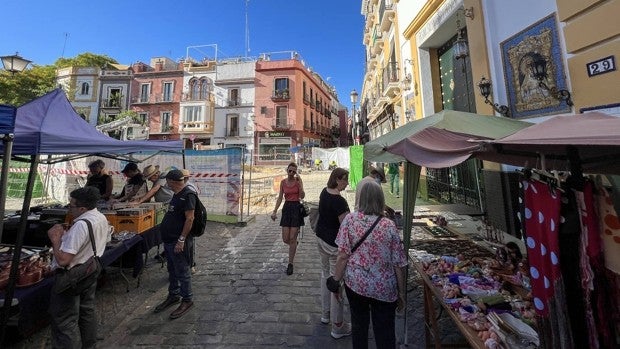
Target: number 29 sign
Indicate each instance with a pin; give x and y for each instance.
(601, 66)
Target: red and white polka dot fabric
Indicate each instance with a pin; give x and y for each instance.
(542, 222)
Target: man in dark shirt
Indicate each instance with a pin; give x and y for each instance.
(175, 228)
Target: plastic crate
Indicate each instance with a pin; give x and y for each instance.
(135, 224)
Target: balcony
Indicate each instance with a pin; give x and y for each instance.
(140, 99)
(391, 83)
(366, 36)
(235, 102)
(280, 95)
(281, 125)
(189, 97)
(196, 126)
(164, 98)
(113, 103)
(377, 41)
(386, 14)
(232, 132)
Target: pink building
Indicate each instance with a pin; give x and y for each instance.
(293, 111)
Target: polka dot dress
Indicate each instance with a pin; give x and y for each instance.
(541, 220)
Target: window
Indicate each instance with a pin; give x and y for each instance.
(281, 113)
(233, 97)
(85, 88)
(193, 114)
(194, 87)
(144, 118)
(167, 92)
(281, 84)
(233, 125)
(114, 97)
(144, 93)
(166, 119)
(204, 89)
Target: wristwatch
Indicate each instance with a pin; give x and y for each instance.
(181, 238)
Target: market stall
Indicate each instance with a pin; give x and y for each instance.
(566, 143)
(50, 126)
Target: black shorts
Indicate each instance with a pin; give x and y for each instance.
(290, 215)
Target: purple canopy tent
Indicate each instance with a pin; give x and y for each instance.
(50, 125)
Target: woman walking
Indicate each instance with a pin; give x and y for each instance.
(292, 189)
(373, 271)
(332, 210)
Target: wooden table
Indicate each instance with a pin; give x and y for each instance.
(431, 326)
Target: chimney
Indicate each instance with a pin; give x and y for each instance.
(159, 65)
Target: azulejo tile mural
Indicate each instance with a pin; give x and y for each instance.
(525, 95)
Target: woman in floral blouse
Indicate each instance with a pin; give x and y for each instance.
(374, 274)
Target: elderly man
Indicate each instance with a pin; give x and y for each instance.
(376, 175)
(159, 190)
(74, 322)
(175, 228)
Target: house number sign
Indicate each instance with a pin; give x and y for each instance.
(601, 66)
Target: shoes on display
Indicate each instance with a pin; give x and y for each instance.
(171, 300)
(182, 309)
(341, 331)
(289, 269)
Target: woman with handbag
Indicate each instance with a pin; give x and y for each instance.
(371, 261)
(292, 190)
(332, 210)
(74, 322)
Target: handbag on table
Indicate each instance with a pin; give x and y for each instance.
(77, 279)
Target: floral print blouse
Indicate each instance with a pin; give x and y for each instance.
(370, 269)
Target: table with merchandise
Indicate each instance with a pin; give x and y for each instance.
(487, 300)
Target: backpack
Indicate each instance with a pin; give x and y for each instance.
(200, 218)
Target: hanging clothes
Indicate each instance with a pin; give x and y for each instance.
(542, 220)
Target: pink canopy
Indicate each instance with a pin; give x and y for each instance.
(595, 135)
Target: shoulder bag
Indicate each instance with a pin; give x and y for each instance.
(77, 279)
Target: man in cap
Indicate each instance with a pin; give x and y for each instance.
(376, 175)
(175, 228)
(135, 186)
(159, 190)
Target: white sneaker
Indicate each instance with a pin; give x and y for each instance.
(325, 318)
(342, 331)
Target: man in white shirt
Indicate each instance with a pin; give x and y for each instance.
(74, 322)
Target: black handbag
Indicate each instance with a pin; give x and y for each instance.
(82, 276)
(304, 210)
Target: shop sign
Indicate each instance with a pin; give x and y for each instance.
(275, 134)
(601, 66)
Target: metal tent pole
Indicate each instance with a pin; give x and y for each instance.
(7, 141)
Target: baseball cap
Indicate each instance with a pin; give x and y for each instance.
(175, 175)
(132, 166)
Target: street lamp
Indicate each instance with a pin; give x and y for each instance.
(354, 96)
(538, 68)
(485, 90)
(14, 63)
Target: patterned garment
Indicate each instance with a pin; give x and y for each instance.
(370, 270)
(542, 218)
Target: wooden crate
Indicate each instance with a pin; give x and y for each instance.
(135, 224)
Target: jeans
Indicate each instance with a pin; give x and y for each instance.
(383, 323)
(331, 303)
(74, 321)
(394, 183)
(179, 273)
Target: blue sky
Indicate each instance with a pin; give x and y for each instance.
(327, 33)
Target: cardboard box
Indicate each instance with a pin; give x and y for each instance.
(134, 224)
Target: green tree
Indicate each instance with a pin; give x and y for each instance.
(19, 88)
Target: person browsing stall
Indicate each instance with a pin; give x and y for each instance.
(333, 207)
(99, 179)
(292, 190)
(73, 317)
(376, 175)
(159, 190)
(135, 186)
(175, 228)
(374, 273)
